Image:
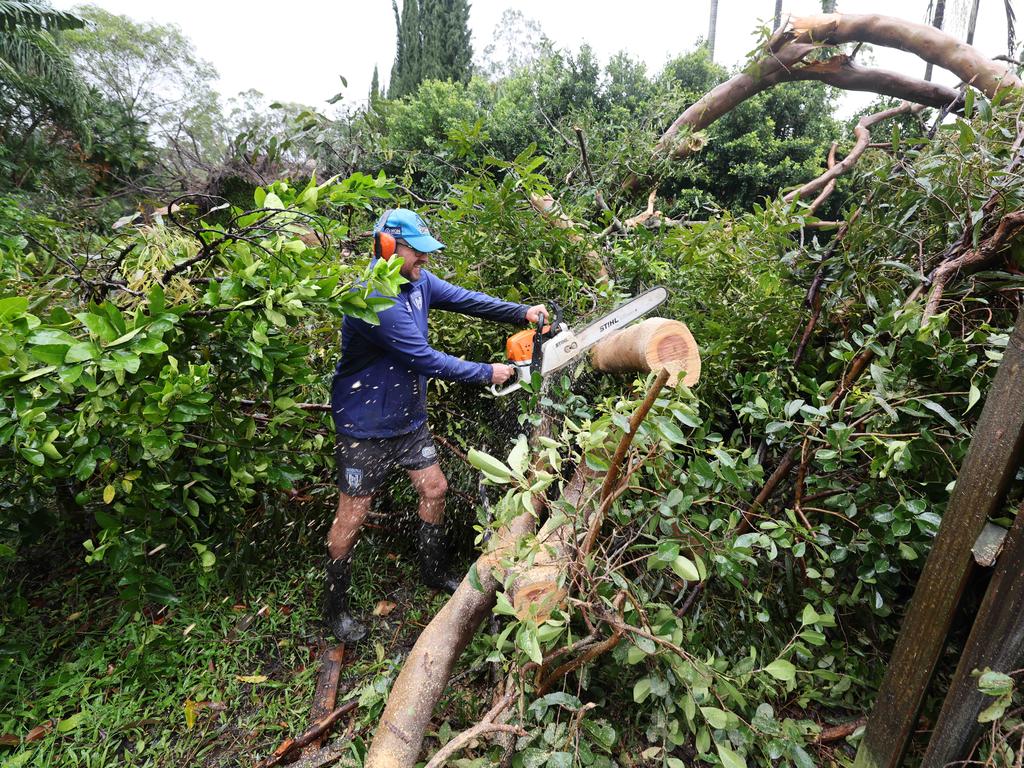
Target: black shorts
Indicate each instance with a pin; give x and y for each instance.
(364, 462)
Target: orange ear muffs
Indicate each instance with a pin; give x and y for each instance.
(384, 244)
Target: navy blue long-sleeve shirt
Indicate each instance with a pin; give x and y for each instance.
(380, 383)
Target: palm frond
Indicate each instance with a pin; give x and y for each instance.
(36, 15)
(31, 62)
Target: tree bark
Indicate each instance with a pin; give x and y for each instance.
(930, 44)
(778, 14)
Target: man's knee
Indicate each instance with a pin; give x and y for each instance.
(434, 486)
(352, 511)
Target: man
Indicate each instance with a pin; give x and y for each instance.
(378, 398)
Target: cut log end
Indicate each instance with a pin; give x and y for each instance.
(656, 343)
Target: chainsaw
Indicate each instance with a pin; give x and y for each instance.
(550, 347)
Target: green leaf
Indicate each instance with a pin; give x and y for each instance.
(641, 690)
(32, 456)
(601, 732)
(782, 670)
(502, 606)
(671, 431)
(526, 639)
(52, 354)
(82, 351)
(126, 337)
(38, 372)
(729, 758)
(98, 326)
(495, 470)
(973, 397)
(685, 568)
(51, 336)
(12, 306)
(474, 578)
(717, 718)
(943, 413)
(70, 723)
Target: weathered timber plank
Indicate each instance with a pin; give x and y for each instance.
(996, 641)
(990, 464)
(326, 692)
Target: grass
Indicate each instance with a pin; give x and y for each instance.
(118, 689)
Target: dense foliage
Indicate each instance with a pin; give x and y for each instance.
(161, 409)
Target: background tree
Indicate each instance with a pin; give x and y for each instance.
(433, 44)
(515, 43)
(447, 47)
(162, 88)
(405, 74)
(374, 86)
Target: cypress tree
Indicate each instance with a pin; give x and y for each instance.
(374, 86)
(397, 66)
(434, 42)
(459, 48)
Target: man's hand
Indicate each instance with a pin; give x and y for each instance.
(534, 313)
(500, 373)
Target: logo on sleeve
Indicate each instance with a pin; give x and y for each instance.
(428, 451)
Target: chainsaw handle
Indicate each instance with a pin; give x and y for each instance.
(522, 374)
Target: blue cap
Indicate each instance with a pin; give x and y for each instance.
(403, 224)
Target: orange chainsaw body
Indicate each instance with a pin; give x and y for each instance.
(519, 347)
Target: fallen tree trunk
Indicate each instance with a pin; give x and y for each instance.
(424, 676)
(931, 44)
(651, 345)
(783, 61)
(425, 673)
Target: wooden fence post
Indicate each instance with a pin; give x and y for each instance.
(996, 641)
(990, 464)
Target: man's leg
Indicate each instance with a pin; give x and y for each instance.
(352, 511)
(360, 468)
(431, 485)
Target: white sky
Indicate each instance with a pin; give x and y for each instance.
(295, 51)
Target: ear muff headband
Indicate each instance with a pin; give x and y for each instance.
(384, 244)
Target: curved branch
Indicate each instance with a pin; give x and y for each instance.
(863, 134)
(842, 72)
(1009, 227)
(787, 48)
(931, 44)
(830, 187)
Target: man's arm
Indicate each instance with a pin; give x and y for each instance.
(444, 295)
(399, 337)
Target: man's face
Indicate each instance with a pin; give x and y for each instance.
(413, 261)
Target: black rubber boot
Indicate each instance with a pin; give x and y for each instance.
(434, 558)
(336, 616)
